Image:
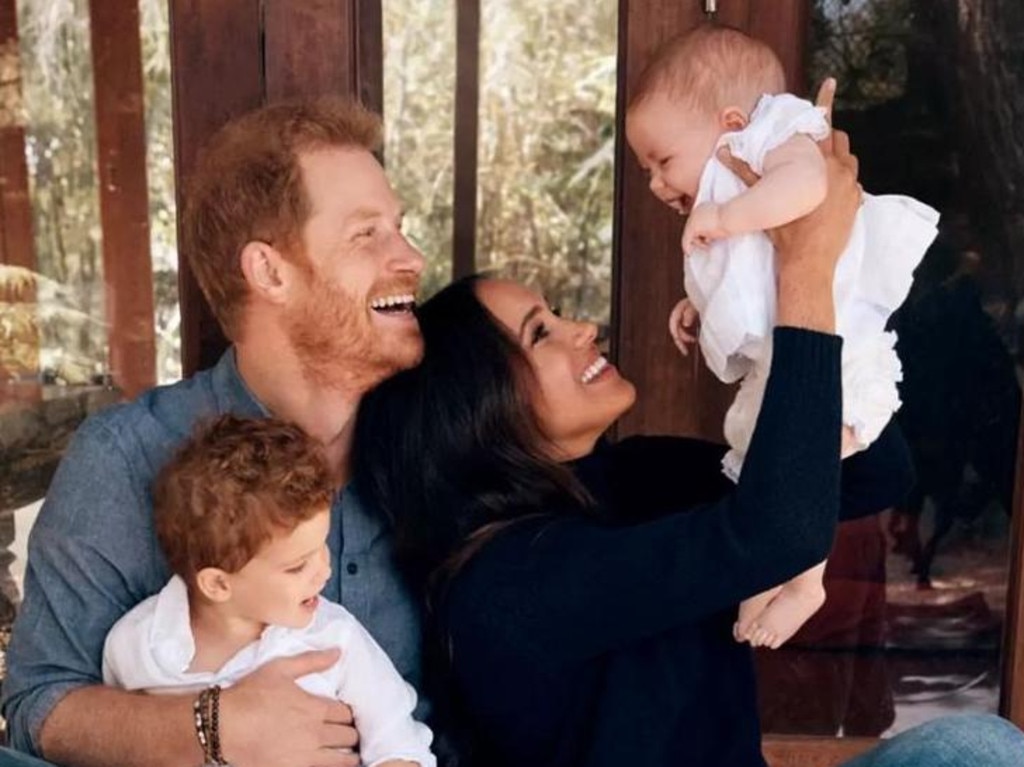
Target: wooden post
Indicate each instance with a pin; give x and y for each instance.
(308, 51)
(677, 395)
(124, 198)
(467, 119)
(369, 65)
(17, 246)
(216, 75)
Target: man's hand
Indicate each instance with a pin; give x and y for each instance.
(703, 226)
(267, 720)
(682, 325)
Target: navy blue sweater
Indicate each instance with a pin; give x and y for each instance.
(590, 642)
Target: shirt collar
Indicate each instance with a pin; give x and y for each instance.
(171, 632)
(174, 645)
(230, 390)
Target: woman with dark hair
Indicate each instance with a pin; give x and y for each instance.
(583, 594)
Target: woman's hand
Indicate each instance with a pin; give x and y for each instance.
(808, 248)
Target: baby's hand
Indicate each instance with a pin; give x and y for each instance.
(703, 227)
(683, 317)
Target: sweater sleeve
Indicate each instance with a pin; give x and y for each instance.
(566, 589)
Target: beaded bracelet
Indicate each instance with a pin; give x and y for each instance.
(206, 717)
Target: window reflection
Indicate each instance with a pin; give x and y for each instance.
(917, 596)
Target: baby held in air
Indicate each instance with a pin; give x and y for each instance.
(716, 87)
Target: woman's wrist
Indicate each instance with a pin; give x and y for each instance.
(805, 297)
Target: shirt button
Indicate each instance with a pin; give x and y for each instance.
(352, 568)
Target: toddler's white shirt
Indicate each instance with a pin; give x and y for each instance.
(151, 648)
(733, 283)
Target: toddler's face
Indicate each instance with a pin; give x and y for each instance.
(280, 586)
(672, 144)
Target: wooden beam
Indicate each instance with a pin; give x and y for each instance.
(124, 198)
(305, 52)
(216, 73)
(369, 39)
(467, 119)
(785, 27)
(323, 47)
(17, 246)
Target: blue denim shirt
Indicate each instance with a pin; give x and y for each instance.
(93, 553)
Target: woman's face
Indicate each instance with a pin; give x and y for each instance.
(577, 394)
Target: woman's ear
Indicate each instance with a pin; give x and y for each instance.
(265, 270)
(214, 584)
(732, 119)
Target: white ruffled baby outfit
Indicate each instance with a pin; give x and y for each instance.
(732, 283)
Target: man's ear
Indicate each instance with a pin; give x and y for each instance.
(214, 584)
(265, 270)
(732, 119)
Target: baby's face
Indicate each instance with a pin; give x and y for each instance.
(672, 144)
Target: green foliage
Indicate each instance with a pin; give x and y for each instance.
(546, 140)
(419, 111)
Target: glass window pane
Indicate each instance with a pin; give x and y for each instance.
(419, 119)
(916, 602)
(546, 148)
(163, 226)
(60, 145)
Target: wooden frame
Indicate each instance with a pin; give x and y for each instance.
(467, 121)
(124, 194)
(17, 246)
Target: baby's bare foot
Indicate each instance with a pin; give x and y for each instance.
(786, 613)
(750, 610)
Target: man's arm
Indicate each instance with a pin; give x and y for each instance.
(91, 556)
(266, 720)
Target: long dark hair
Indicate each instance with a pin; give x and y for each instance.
(451, 450)
(452, 453)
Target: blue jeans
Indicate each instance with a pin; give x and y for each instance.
(969, 740)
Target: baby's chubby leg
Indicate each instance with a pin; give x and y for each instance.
(795, 602)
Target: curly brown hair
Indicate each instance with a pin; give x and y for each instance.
(235, 484)
(247, 186)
